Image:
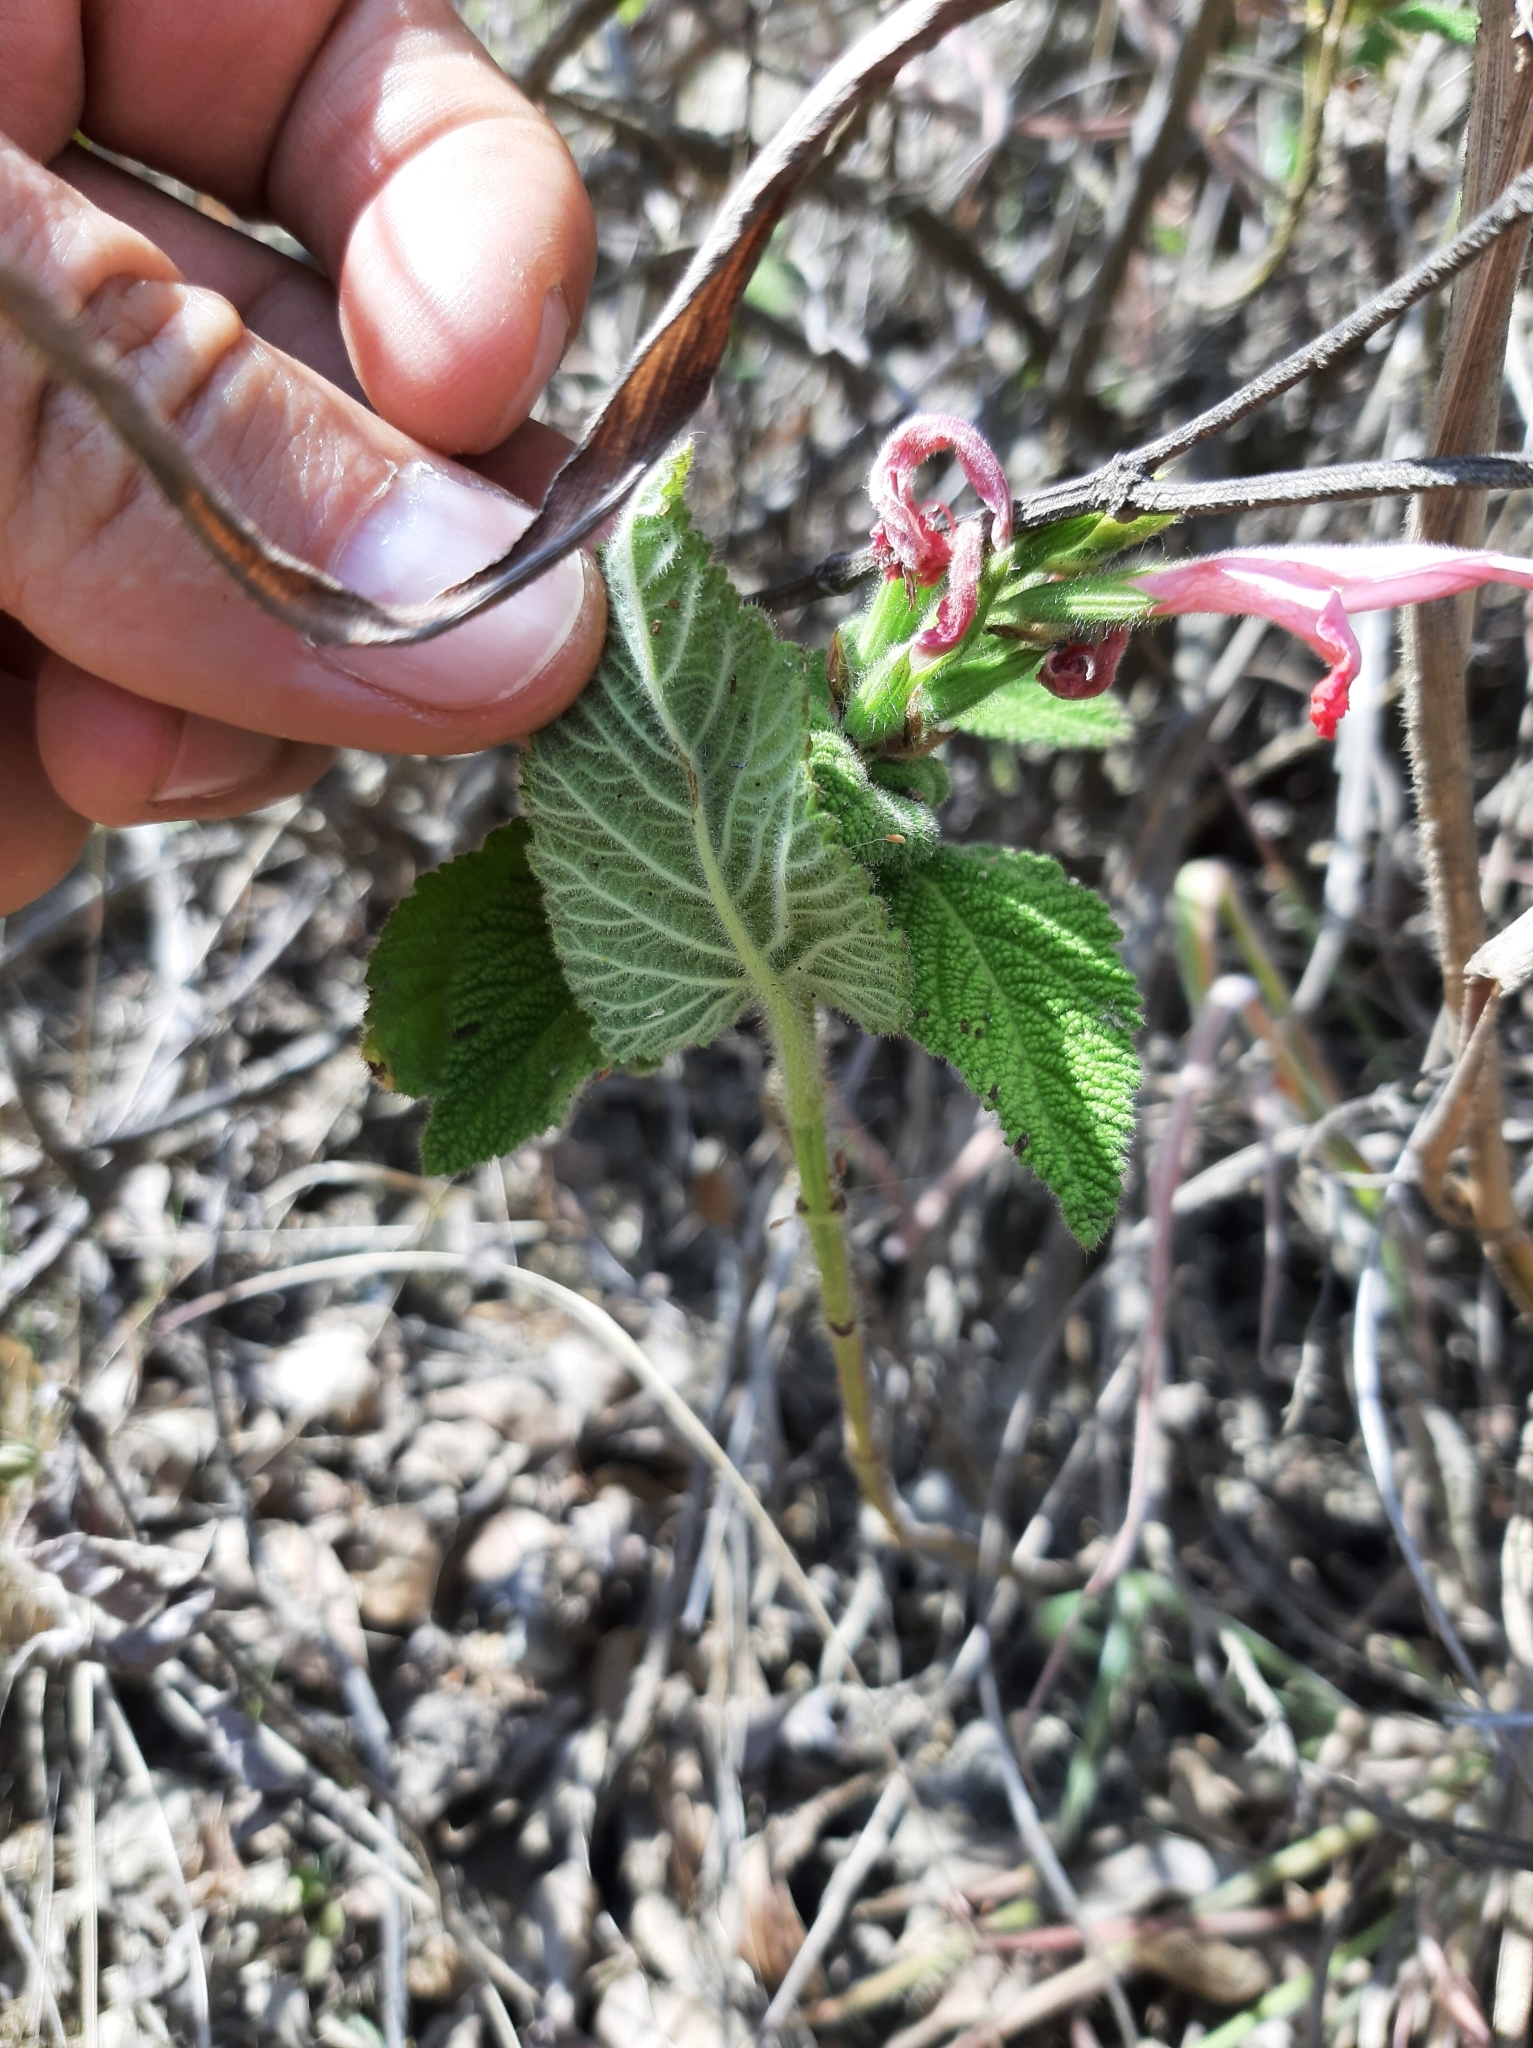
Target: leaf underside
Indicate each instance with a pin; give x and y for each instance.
(1018, 985)
(468, 1005)
(686, 866)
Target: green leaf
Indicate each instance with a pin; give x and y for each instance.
(890, 823)
(1028, 715)
(1453, 24)
(924, 779)
(468, 1004)
(1018, 985)
(686, 864)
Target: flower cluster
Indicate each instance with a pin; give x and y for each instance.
(1310, 591)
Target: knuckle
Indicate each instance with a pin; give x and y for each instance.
(70, 480)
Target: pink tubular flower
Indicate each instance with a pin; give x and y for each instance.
(1311, 590)
(906, 538)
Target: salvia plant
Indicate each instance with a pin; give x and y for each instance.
(726, 822)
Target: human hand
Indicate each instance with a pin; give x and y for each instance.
(455, 248)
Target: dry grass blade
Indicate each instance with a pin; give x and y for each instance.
(82, 1728)
(1040, 1848)
(839, 1894)
(601, 1325)
(37, 1985)
(136, 1779)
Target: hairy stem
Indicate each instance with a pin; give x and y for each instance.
(821, 1200)
(805, 1097)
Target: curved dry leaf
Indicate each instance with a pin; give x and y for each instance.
(771, 1930)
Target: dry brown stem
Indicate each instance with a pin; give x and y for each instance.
(1500, 143)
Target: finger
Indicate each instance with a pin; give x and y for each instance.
(42, 73)
(123, 760)
(446, 208)
(286, 303)
(94, 564)
(40, 837)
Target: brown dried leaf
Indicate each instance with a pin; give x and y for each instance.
(1205, 1966)
(771, 1931)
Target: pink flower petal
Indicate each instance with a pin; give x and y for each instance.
(960, 601)
(1332, 637)
(906, 536)
(1311, 590)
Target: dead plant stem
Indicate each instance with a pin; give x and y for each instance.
(1500, 143)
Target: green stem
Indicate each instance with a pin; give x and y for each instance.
(821, 1201)
(791, 1023)
(821, 1204)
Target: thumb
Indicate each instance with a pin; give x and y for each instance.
(97, 566)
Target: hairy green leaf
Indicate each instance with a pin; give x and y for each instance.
(1025, 713)
(889, 823)
(687, 866)
(1018, 985)
(468, 1005)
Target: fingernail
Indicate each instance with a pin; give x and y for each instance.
(213, 760)
(553, 340)
(428, 531)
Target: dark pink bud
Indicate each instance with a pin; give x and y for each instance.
(1083, 668)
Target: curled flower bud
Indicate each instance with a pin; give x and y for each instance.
(1083, 668)
(955, 614)
(906, 538)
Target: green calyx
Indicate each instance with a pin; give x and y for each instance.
(1031, 595)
